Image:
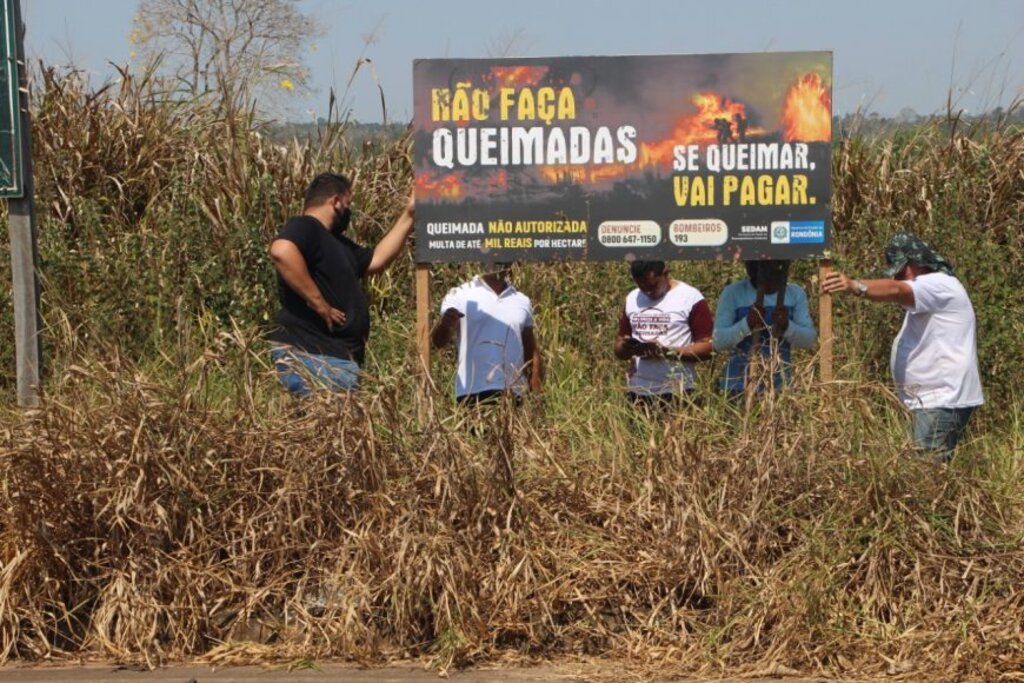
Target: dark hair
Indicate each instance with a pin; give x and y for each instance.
(771, 266)
(325, 186)
(640, 268)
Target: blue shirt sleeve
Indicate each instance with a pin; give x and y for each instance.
(801, 332)
(728, 331)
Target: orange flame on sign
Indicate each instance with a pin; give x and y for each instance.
(578, 175)
(807, 113)
(446, 187)
(511, 76)
(696, 128)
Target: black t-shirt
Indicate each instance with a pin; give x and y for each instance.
(337, 266)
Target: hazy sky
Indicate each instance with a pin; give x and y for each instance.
(888, 54)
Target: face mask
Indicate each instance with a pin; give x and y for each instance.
(341, 221)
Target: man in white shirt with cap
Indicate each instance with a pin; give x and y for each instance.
(935, 355)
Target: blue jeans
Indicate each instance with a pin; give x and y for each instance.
(301, 372)
(939, 429)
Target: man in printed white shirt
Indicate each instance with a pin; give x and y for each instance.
(493, 323)
(935, 356)
(665, 329)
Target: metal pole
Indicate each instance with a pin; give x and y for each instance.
(24, 250)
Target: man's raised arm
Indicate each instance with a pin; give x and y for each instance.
(391, 244)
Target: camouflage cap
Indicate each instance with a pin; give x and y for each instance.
(904, 248)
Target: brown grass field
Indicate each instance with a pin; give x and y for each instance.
(167, 502)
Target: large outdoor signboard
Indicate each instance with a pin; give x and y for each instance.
(11, 180)
(607, 158)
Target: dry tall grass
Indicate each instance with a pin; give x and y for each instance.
(168, 501)
(146, 521)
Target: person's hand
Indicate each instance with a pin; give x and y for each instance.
(410, 205)
(755, 318)
(451, 318)
(650, 350)
(836, 282)
(330, 315)
(780, 322)
(635, 347)
(671, 353)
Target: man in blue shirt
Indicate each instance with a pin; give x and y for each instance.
(740, 317)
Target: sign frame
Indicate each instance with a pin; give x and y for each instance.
(12, 177)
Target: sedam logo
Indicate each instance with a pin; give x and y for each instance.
(751, 233)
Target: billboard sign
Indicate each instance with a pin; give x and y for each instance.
(607, 158)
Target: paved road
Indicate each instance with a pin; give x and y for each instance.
(253, 674)
(96, 673)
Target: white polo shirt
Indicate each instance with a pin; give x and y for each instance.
(490, 336)
(934, 358)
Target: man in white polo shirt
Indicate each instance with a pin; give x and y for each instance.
(935, 356)
(664, 330)
(493, 322)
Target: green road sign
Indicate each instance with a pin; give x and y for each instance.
(11, 181)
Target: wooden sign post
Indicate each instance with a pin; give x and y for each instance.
(825, 320)
(423, 319)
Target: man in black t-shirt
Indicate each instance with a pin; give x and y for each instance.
(324, 322)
